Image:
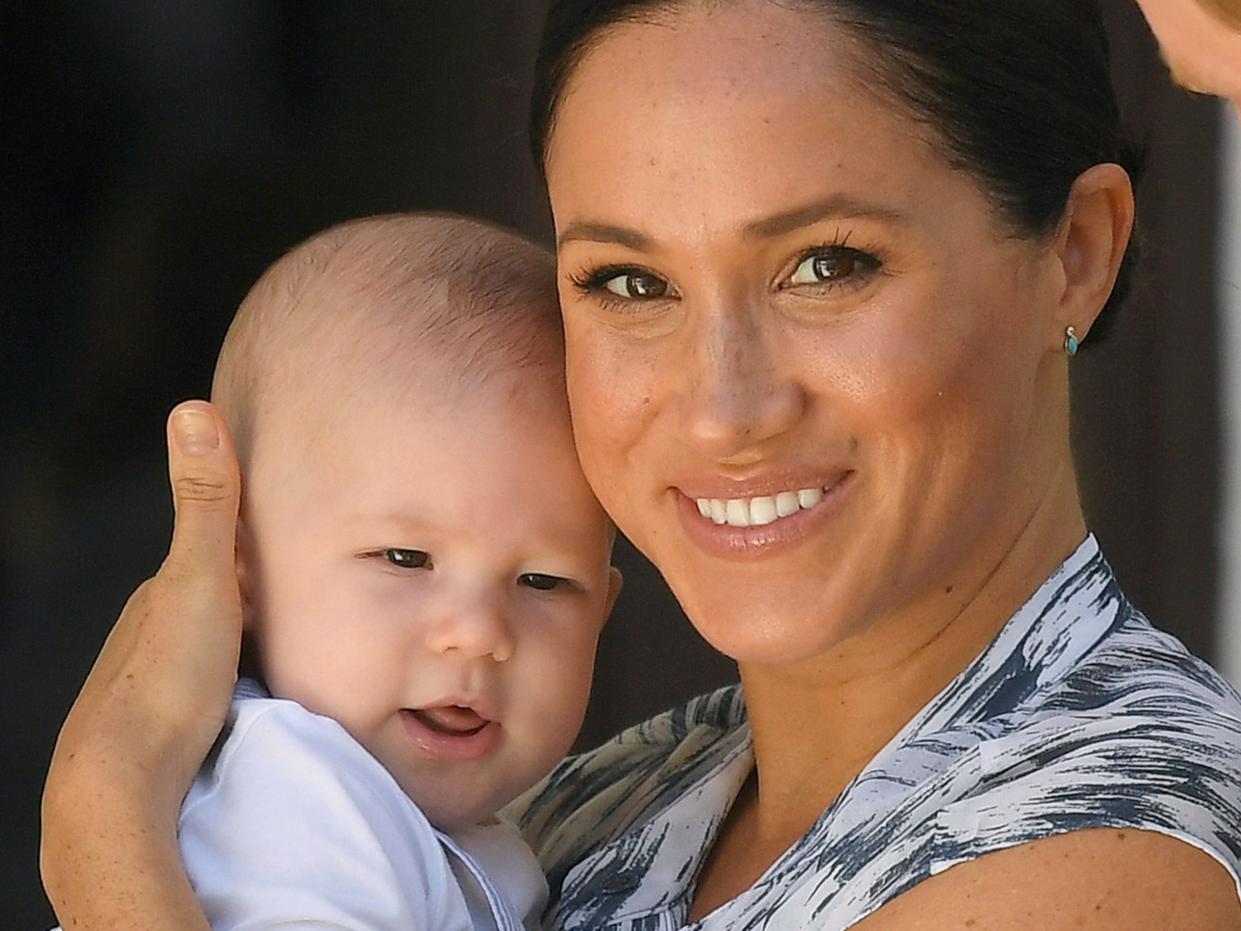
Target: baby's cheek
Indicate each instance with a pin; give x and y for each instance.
(558, 704)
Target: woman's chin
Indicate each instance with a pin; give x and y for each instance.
(769, 631)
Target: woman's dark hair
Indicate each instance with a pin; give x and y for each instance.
(1019, 91)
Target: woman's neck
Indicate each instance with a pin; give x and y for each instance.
(817, 724)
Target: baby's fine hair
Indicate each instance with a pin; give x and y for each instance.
(379, 300)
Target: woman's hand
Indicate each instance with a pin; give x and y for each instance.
(151, 708)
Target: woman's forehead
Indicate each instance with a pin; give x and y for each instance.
(699, 51)
(728, 116)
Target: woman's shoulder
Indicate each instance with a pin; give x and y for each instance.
(1140, 735)
(1139, 663)
(1115, 725)
(1140, 687)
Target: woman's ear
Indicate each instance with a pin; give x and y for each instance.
(1090, 245)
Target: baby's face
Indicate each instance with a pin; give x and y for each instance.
(435, 576)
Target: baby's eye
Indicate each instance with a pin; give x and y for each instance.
(407, 559)
(544, 583)
(832, 264)
(636, 284)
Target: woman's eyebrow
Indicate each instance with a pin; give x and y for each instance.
(836, 206)
(786, 221)
(603, 232)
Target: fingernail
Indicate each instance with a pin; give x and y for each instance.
(195, 432)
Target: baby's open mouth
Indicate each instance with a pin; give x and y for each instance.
(451, 720)
(452, 732)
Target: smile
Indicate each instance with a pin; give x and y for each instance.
(760, 511)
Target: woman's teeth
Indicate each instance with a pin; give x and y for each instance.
(757, 512)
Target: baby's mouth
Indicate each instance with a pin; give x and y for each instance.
(451, 720)
(452, 732)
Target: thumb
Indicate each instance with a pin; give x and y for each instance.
(206, 490)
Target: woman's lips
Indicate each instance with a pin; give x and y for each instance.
(784, 527)
(450, 732)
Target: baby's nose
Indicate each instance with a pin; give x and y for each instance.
(476, 630)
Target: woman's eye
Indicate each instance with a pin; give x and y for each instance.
(637, 285)
(408, 559)
(544, 583)
(825, 266)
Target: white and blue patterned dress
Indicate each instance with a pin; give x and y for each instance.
(1078, 715)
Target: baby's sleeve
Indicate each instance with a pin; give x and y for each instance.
(294, 823)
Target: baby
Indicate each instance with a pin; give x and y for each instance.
(425, 573)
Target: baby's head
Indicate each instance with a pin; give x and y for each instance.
(420, 556)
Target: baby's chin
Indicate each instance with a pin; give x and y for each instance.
(449, 816)
(453, 800)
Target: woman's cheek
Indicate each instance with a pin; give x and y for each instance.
(936, 354)
(612, 385)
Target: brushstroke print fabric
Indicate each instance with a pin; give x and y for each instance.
(1078, 715)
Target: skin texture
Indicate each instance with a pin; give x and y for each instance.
(885, 381)
(473, 585)
(108, 853)
(390, 598)
(1088, 879)
(844, 678)
(925, 385)
(1201, 41)
(420, 556)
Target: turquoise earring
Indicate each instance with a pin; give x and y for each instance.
(1071, 342)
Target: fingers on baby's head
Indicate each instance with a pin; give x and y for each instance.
(394, 301)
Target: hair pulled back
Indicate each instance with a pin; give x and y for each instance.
(1018, 91)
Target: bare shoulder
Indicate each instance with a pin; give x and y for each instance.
(1101, 878)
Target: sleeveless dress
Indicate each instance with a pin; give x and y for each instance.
(1078, 715)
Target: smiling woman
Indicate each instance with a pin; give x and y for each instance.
(762, 323)
(822, 267)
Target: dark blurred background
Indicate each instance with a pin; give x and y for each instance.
(158, 154)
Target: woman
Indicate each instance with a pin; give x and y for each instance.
(823, 268)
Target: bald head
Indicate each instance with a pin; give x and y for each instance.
(392, 303)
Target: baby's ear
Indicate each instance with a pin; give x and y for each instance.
(615, 581)
(245, 557)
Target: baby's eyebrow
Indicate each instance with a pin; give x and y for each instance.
(397, 520)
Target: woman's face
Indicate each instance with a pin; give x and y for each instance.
(785, 309)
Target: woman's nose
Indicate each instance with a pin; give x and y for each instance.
(741, 392)
(473, 629)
